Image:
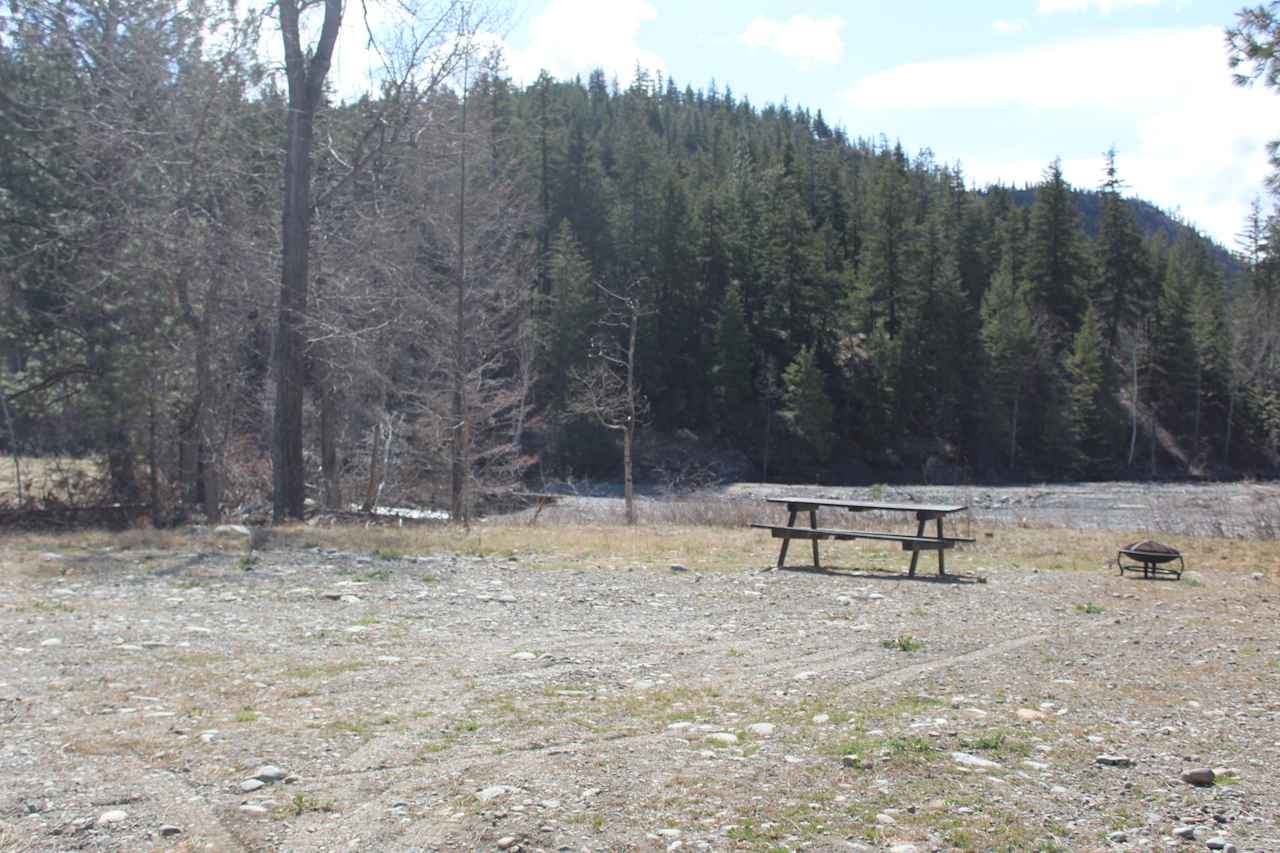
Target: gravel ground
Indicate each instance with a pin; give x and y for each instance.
(447, 703)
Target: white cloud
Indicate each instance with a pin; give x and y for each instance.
(1192, 140)
(1002, 26)
(804, 40)
(577, 36)
(1106, 7)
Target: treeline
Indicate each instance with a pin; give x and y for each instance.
(818, 305)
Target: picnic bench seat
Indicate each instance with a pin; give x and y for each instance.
(915, 543)
(909, 542)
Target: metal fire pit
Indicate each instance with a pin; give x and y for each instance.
(1150, 558)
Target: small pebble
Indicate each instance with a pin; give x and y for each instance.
(1114, 760)
(169, 829)
(113, 816)
(506, 842)
(249, 785)
(1118, 837)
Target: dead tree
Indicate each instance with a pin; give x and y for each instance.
(608, 392)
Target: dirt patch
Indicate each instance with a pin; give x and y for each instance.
(444, 702)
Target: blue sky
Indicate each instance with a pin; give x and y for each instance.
(1000, 87)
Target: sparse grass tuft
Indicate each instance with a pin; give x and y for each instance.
(245, 715)
(904, 643)
(1089, 608)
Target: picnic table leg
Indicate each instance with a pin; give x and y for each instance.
(782, 554)
(813, 524)
(942, 559)
(915, 552)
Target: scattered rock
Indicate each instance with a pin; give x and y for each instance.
(1114, 760)
(493, 792)
(523, 656)
(761, 729)
(270, 773)
(1201, 777)
(1118, 837)
(723, 738)
(1027, 715)
(974, 761)
(904, 848)
(254, 810)
(113, 816)
(506, 842)
(885, 819)
(1219, 843)
(850, 761)
(249, 785)
(679, 568)
(168, 830)
(1185, 832)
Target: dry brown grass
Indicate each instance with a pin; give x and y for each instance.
(716, 545)
(59, 476)
(718, 548)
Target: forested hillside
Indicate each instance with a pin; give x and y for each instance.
(799, 301)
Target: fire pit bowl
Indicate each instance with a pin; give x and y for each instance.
(1150, 558)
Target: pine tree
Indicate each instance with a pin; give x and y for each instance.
(569, 312)
(1122, 283)
(808, 409)
(731, 374)
(1090, 398)
(1056, 266)
(1009, 338)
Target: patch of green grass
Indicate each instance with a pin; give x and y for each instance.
(300, 804)
(1089, 608)
(901, 748)
(359, 728)
(998, 742)
(904, 643)
(376, 575)
(245, 715)
(388, 554)
(248, 562)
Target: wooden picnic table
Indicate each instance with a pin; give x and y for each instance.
(916, 543)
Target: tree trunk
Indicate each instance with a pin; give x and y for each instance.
(1133, 412)
(13, 447)
(375, 460)
(1013, 431)
(330, 426)
(1231, 410)
(628, 435)
(306, 81)
(210, 466)
(458, 462)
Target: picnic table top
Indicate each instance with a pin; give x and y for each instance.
(870, 505)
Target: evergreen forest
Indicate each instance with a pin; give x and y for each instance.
(504, 283)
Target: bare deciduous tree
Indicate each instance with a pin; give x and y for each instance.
(608, 391)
